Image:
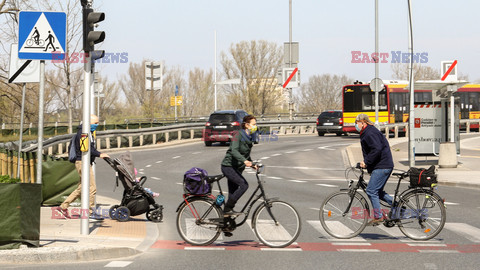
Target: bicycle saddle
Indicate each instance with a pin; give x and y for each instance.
(214, 178)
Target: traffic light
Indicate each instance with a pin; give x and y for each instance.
(91, 37)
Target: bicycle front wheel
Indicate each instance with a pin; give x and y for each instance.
(340, 223)
(276, 224)
(198, 222)
(422, 214)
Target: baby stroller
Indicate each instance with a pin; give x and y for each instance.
(135, 200)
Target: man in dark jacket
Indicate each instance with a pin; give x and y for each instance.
(78, 165)
(377, 159)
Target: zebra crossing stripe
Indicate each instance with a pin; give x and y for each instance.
(465, 230)
(318, 226)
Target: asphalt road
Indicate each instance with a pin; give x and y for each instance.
(301, 170)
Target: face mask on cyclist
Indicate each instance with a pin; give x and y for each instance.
(93, 127)
(252, 129)
(357, 127)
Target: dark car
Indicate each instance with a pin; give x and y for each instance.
(330, 122)
(221, 125)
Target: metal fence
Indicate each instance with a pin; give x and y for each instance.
(130, 138)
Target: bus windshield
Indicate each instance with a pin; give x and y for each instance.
(359, 98)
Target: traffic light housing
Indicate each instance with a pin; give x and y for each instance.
(90, 36)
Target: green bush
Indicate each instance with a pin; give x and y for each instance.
(7, 179)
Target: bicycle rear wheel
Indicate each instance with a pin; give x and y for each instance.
(341, 224)
(276, 224)
(198, 222)
(422, 214)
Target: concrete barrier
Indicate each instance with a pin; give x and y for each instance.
(447, 155)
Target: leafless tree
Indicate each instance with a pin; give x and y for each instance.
(199, 94)
(255, 63)
(401, 72)
(322, 92)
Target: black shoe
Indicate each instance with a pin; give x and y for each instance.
(227, 234)
(95, 217)
(231, 213)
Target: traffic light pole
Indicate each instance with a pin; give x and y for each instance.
(85, 193)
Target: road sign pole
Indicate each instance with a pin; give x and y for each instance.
(85, 193)
(376, 59)
(215, 69)
(20, 140)
(151, 93)
(290, 90)
(411, 114)
(40, 122)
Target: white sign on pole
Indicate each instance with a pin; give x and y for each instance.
(445, 66)
(153, 73)
(295, 81)
(29, 74)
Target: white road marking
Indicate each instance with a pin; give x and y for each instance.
(274, 177)
(297, 181)
(451, 203)
(465, 230)
(325, 148)
(148, 166)
(306, 150)
(290, 152)
(351, 244)
(155, 178)
(310, 168)
(318, 226)
(194, 153)
(159, 161)
(141, 169)
(204, 248)
(118, 263)
(179, 183)
(430, 266)
(438, 251)
(326, 185)
(426, 245)
(315, 209)
(176, 157)
(359, 250)
(265, 158)
(276, 155)
(281, 249)
(141, 172)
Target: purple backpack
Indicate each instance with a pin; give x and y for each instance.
(195, 182)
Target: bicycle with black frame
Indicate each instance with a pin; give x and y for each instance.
(418, 211)
(200, 218)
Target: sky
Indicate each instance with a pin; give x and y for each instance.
(181, 32)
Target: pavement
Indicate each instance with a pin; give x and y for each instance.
(466, 174)
(61, 241)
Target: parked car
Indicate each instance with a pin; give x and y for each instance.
(330, 122)
(221, 125)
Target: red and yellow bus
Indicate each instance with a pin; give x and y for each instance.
(394, 100)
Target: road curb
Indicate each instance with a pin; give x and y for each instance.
(63, 254)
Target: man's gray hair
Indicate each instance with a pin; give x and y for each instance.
(363, 117)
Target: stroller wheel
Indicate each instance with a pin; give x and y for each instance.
(123, 214)
(155, 215)
(113, 211)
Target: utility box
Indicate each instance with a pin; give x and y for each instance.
(432, 127)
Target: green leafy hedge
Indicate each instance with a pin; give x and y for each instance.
(7, 179)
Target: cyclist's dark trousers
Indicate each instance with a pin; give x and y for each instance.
(237, 185)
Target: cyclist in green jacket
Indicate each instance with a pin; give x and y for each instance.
(235, 161)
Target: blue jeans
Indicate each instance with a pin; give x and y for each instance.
(375, 191)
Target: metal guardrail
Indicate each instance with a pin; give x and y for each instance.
(137, 137)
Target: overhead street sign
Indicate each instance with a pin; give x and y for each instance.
(22, 71)
(42, 35)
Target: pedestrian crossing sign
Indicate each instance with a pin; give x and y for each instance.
(42, 35)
